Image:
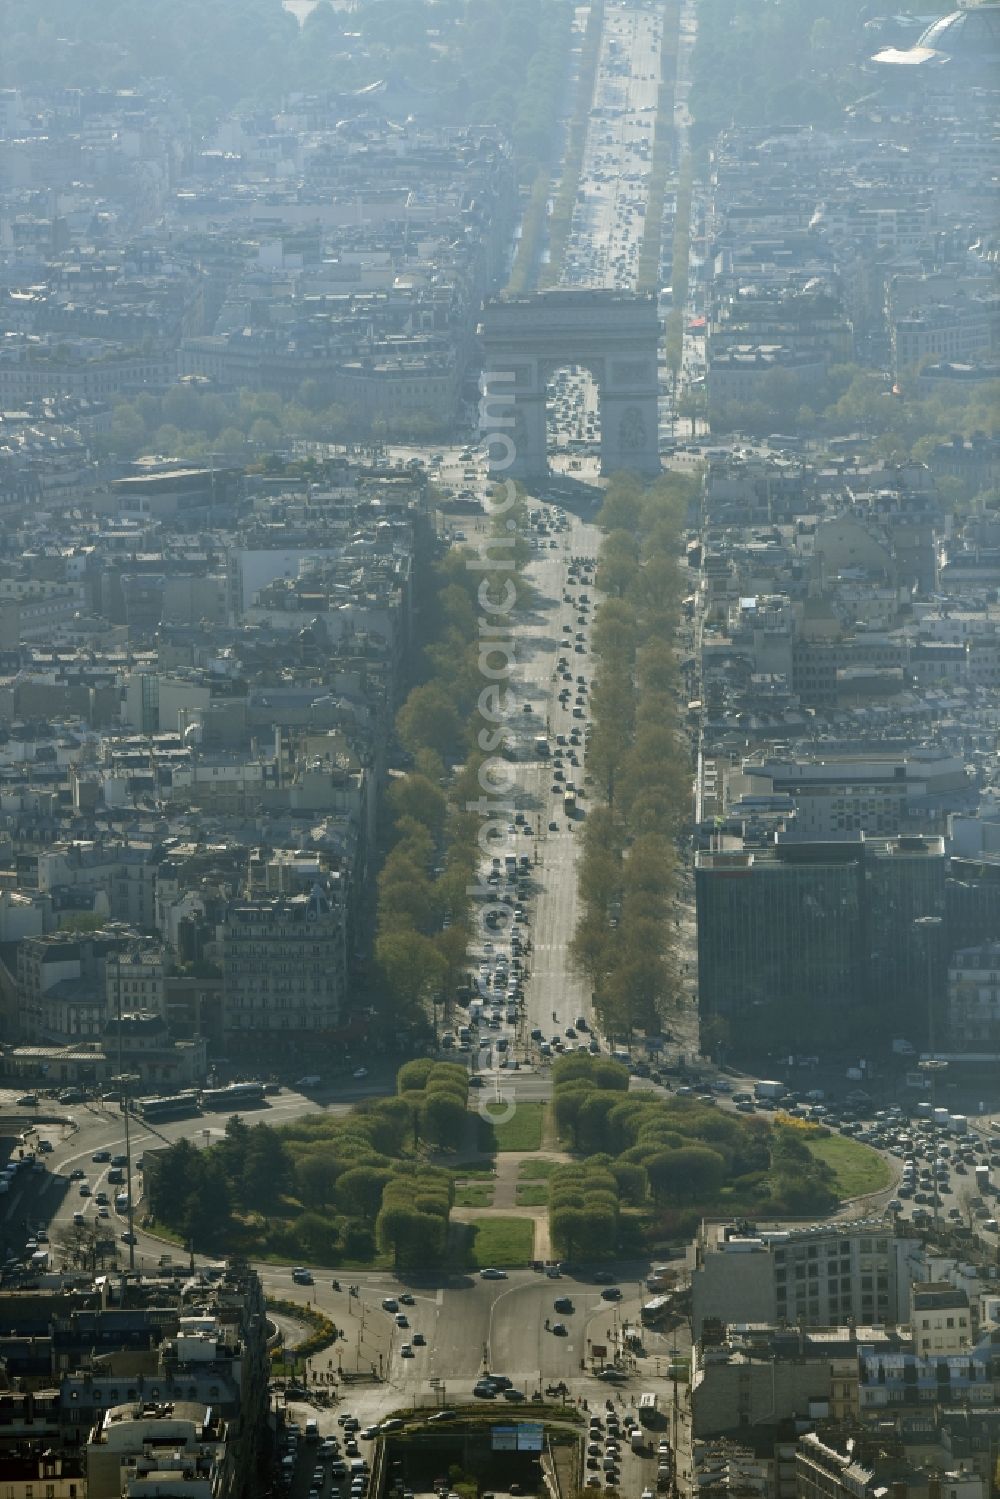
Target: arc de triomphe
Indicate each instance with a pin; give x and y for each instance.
(613, 334)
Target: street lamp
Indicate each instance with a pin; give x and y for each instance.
(125, 1081)
(932, 1067)
(927, 928)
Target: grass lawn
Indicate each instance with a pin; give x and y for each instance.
(161, 1231)
(535, 1170)
(473, 1195)
(469, 1170)
(499, 1241)
(532, 1194)
(522, 1131)
(858, 1169)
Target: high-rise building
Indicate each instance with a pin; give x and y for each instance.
(813, 945)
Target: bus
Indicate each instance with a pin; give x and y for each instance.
(656, 1312)
(233, 1096)
(174, 1106)
(649, 1414)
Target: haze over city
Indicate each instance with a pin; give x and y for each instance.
(499, 780)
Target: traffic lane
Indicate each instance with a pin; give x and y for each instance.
(554, 906)
(31, 1204)
(461, 1344)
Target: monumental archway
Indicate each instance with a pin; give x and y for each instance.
(611, 333)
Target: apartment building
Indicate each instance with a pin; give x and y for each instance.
(284, 968)
(828, 1276)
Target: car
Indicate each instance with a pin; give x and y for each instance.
(419, 1341)
(101, 1198)
(46, 1147)
(484, 1390)
(101, 1155)
(553, 827)
(406, 1298)
(611, 1293)
(128, 1237)
(85, 1189)
(390, 1304)
(77, 1174)
(369, 1433)
(301, 1276)
(406, 1350)
(491, 1273)
(360, 1072)
(402, 1320)
(514, 1395)
(560, 1329)
(563, 1304)
(611, 1376)
(27, 1101)
(445, 1415)
(104, 1212)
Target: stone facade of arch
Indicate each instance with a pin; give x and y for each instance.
(612, 334)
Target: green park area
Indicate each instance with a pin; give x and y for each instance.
(362, 1188)
(497, 1241)
(532, 1194)
(520, 1130)
(473, 1195)
(647, 1167)
(377, 1185)
(857, 1169)
(539, 1169)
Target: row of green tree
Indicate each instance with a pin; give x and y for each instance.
(324, 1188)
(628, 862)
(524, 270)
(648, 275)
(194, 421)
(680, 269)
(425, 912)
(567, 196)
(903, 422)
(661, 1158)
